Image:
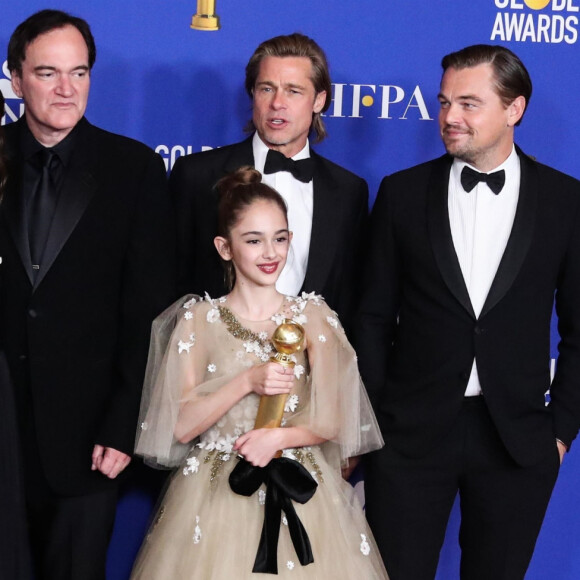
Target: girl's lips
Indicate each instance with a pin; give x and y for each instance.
(269, 268)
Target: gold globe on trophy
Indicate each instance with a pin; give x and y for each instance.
(288, 339)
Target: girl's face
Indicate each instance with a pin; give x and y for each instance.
(258, 244)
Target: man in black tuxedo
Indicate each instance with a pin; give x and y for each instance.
(288, 81)
(466, 255)
(88, 260)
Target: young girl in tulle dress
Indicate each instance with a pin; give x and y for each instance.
(233, 510)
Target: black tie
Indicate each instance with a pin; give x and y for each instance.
(303, 169)
(470, 178)
(42, 206)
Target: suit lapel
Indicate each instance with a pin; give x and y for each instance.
(520, 237)
(325, 214)
(13, 202)
(241, 154)
(14, 215)
(77, 191)
(440, 233)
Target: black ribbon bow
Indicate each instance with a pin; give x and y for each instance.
(470, 178)
(303, 169)
(286, 481)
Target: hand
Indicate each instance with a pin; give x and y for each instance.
(109, 461)
(561, 450)
(259, 446)
(271, 379)
(352, 463)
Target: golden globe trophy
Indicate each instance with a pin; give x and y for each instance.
(288, 339)
(299, 485)
(205, 18)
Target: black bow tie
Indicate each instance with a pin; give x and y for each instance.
(303, 169)
(470, 178)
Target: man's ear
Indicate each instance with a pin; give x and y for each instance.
(319, 101)
(16, 84)
(516, 109)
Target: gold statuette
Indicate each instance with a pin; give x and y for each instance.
(288, 339)
(205, 18)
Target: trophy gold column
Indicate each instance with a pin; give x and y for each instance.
(288, 339)
(205, 18)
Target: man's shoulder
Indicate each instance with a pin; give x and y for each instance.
(213, 158)
(419, 172)
(12, 129)
(338, 172)
(414, 185)
(89, 136)
(546, 173)
(12, 136)
(117, 145)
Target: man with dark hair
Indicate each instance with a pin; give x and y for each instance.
(288, 81)
(43, 22)
(467, 253)
(88, 260)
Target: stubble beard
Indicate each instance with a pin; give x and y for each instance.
(462, 152)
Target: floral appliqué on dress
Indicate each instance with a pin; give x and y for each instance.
(298, 371)
(184, 346)
(291, 404)
(192, 466)
(197, 531)
(213, 315)
(365, 547)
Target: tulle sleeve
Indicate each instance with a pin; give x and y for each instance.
(174, 354)
(337, 407)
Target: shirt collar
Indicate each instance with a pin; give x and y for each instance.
(30, 146)
(260, 150)
(510, 165)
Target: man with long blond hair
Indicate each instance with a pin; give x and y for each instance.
(288, 80)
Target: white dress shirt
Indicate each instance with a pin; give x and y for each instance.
(481, 223)
(299, 198)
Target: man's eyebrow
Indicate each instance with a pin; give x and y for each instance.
(294, 86)
(467, 97)
(46, 67)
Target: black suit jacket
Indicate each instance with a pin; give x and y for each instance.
(338, 224)
(14, 551)
(417, 334)
(76, 339)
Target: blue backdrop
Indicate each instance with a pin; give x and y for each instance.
(180, 90)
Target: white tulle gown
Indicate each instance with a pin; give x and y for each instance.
(203, 530)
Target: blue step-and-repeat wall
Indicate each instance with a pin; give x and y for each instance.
(180, 90)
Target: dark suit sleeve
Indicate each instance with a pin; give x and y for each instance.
(565, 388)
(355, 263)
(148, 287)
(356, 234)
(181, 186)
(376, 321)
